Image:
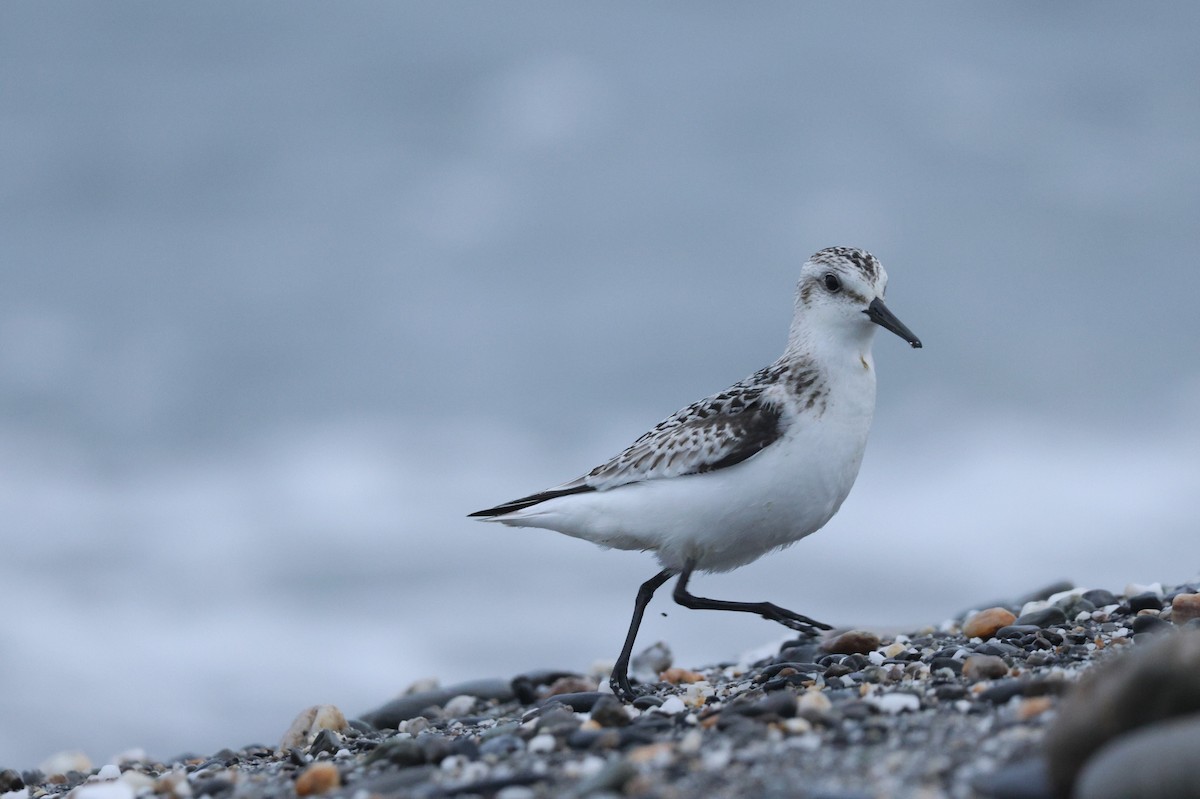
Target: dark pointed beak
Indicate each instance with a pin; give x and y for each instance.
(880, 315)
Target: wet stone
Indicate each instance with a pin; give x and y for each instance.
(557, 721)
(1146, 601)
(402, 752)
(1184, 608)
(984, 667)
(580, 702)
(10, 780)
(214, 787)
(648, 701)
(1020, 630)
(1041, 658)
(1002, 691)
(609, 712)
(1099, 597)
(326, 741)
(852, 642)
(501, 745)
(1045, 617)
(1150, 624)
(435, 748)
(998, 648)
(985, 623)
(952, 664)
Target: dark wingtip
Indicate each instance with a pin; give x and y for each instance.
(526, 502)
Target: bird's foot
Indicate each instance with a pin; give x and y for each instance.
(793, 620)
(624, 691)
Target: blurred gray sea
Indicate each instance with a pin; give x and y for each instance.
(287, 289)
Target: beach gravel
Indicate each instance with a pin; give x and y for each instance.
(931, 712)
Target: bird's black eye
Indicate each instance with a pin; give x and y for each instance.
(833, 283)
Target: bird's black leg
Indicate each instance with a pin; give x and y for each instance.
(767, 610)
(619, 681)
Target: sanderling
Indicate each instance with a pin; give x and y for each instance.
(749, 470)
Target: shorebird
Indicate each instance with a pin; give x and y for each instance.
(746, 471)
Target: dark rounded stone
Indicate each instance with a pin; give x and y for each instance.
(1025, 779)
(1149, 623)
(608, 711)
(950, 692)
(1040, 658)
(998, 648)
(403, 752)
(466, 747)
(213, 786)
(947, 662)
(10, 781)
(798, 666)
(1043, 618)
(406, 707)
(1002, 691)
(1158, 760)
(33, 777)
(1099, 597)
(1078, 605)
(1017, 630)
(799, 651)
(838, 670)
(580, 702)
(776, 705)
(635, 735)
(501, 746)
(1146, 601)
(648, 701)
(436, 748)
(557, 720)
(1148, 685)
(326, 741)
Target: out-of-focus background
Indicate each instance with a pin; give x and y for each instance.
(288, 289)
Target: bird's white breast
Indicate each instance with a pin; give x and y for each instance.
(728, 517)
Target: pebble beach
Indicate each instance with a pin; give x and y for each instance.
(1066, 691)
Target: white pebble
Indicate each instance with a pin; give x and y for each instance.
(877, 658)
(62, 762)
(691, 742)
(1073, 592)
(671, 706)
(796, 726)
(895, 702)
(1033, 607)
(113, 789)
(813, 703)
(541, 743)
(1133, 589)
(460, 705)
(108, 772)
(138, 781)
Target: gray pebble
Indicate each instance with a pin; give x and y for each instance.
(1159, 760)
(1046, 617)
(501, 745)
(391, 714)
(402, 752)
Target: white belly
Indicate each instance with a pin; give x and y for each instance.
(729, 517)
